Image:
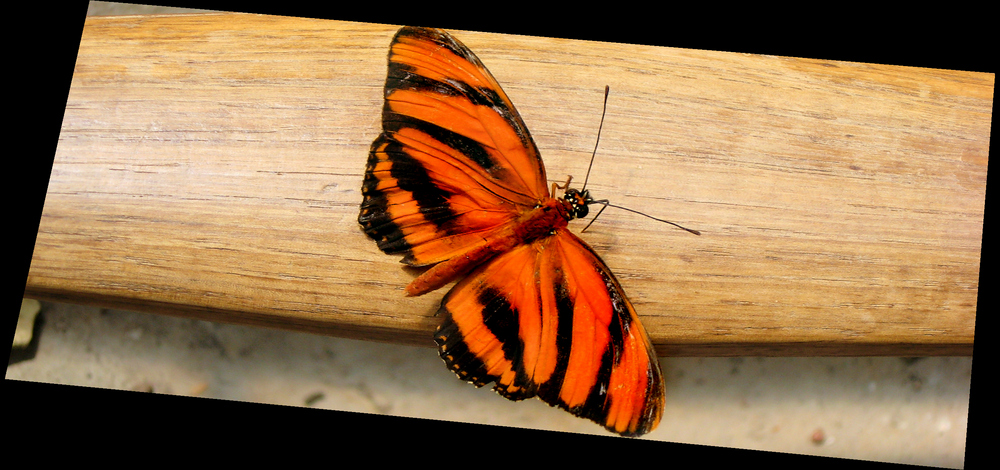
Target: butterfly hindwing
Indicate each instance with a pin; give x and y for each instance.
(455, 162)
(549, 319)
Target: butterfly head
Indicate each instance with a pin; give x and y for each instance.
(578, 202)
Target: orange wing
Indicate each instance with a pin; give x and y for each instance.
(455, 163)
(456, 181)
(549, 319)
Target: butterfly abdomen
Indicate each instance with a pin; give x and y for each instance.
(532, 225)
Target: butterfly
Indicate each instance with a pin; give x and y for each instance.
(455, 182)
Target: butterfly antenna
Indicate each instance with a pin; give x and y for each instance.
(608, 204)
(607, 89)
(605, 202)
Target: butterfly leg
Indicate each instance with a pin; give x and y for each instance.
(605, 202)
(555, 186)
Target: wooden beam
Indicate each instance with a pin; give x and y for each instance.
(210, 166)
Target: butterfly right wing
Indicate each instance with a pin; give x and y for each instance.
(549, 319)
(455, 163)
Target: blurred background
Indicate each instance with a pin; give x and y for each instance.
(906, 410)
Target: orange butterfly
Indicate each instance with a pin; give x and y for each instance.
(455, 182)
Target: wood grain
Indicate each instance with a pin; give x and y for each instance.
(210, 166)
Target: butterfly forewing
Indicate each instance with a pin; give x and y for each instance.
(454, 163)
(436, 79)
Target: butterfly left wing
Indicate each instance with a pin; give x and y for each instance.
(455, 163)
(549, 319)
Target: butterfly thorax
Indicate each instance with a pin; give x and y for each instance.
(542, 221)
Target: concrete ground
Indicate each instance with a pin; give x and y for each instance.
(871, 408)
(908, 410)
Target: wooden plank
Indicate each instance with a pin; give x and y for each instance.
(210, 166)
